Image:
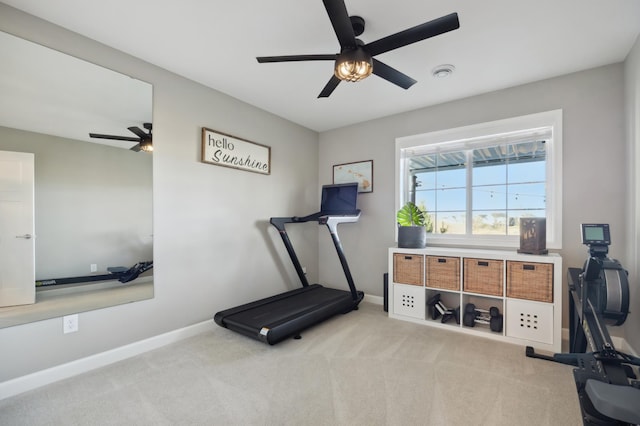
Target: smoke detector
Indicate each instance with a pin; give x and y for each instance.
(443, 71)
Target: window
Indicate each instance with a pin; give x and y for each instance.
(476, 182)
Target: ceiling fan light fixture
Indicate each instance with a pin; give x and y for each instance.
(353, 65)
(146, 146)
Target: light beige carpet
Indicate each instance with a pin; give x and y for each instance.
(361, 368)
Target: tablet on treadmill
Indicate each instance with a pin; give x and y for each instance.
(339, 199)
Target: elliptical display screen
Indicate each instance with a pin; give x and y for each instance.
(595, 234)
(339, 199)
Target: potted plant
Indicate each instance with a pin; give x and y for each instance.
(413, 225)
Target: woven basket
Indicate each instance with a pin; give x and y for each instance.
(443, 272)
(530, 281)
(408, 268)
(483, 276)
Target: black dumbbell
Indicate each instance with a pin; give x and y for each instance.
(493, 318)
(432, 302)
(469, 317)
(496, 321)
(438, 308)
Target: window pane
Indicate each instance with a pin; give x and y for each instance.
(533, 171)
(490, 175)
(426, 180)
(528, 150)
(450, 223)
(489, 223)
(451, 200)
(426, 200)
(489, 155)
(448, 160)
(526, 196)
(452, 178)
(490, 197)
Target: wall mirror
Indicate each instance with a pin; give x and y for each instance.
(93, 196)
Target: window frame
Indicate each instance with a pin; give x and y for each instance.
(483, 134)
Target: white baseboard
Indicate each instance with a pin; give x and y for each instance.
(60, 372)
(376, 300)
(618, 342)
(44, 377)
(50, 375)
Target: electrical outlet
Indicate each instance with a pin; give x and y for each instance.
(304, 270)
(70, 323)
(94, 267)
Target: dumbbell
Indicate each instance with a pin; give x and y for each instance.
(493, 318)
(438, 308)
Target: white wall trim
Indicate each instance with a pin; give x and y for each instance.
(376, 300)
(50, 375)
(35, 380)
(619, 343)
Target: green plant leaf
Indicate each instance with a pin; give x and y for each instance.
(410, 215)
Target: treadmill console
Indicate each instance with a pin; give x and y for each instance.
(339, 199)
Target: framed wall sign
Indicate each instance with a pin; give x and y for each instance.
(228, 151)
(360, 171)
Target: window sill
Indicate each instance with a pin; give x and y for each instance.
(485, 241)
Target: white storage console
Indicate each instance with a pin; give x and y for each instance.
(526, 289)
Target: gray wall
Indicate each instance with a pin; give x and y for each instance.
(632, 105)
(93, 204)
(595, 175)
(213, 246)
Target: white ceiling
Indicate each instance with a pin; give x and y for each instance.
(500, 43)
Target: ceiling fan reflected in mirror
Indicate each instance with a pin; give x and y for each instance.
(356, 59)
(144, 139)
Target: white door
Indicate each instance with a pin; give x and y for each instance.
(17, 246)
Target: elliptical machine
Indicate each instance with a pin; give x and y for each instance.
(606, 379)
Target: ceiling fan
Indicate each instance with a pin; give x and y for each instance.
(145, 140)
(355, 60)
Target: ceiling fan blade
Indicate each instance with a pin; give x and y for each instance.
(341, 23)
(117, 138)
(136, 148)
(419, 32)
(138, 131)
(330, 87)
(392, 75)
(294, 58)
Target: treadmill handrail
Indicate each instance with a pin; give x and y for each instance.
(279, 223)
(331, 221)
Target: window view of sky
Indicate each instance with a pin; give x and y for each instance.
(502, 190)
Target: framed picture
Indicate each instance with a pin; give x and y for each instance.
(228, 151)
(360, 171)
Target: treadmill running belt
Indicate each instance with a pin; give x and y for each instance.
(278, 317)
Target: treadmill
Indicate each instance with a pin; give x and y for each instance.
(285, 315)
